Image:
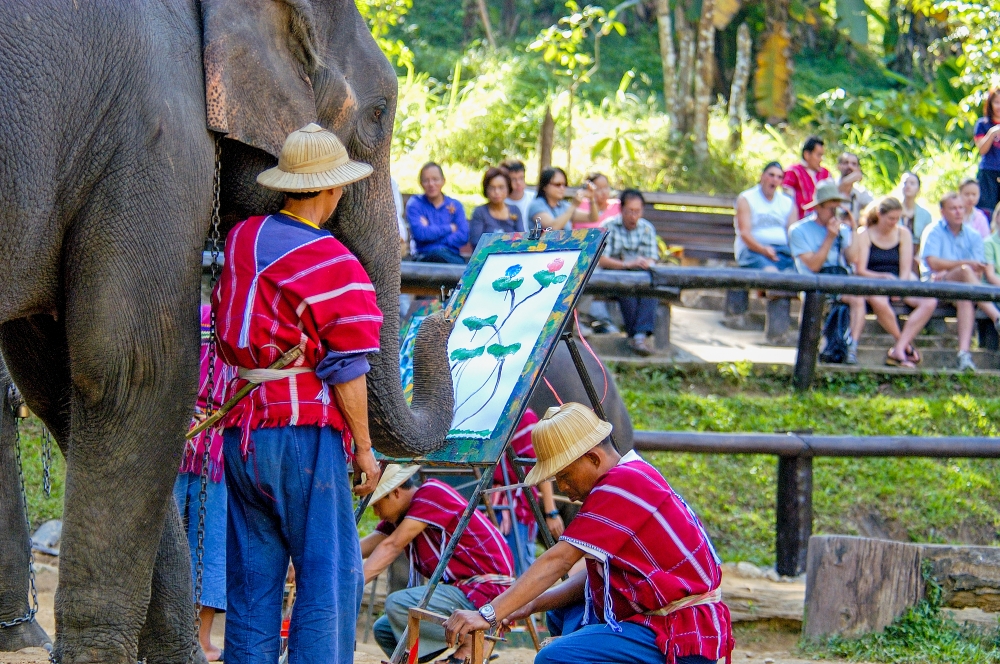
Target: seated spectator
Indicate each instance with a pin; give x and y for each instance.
(952, 251)
(497, 216)
(800, 180)
(420, 521)
(631, 245)
(821, 243)
(915, 217)
(850, 175)
(597, 207)
(520, 196)
(550, 206)
(974, 217)
(991, 250)
(437, 222)
(885, 251)
(763, 215)
(986, 134)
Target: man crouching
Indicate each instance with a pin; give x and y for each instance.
(652, 576)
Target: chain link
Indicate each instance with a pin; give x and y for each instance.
(13, 402)
(214, 238)
(47, 462)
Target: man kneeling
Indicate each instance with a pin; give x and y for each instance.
(421, 520)
(652, 575)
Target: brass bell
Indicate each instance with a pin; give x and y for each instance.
(23, 411)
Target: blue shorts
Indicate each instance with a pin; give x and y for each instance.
(754, 261)
(186, 490)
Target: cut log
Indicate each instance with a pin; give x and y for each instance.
(969, 575)
(856, 585)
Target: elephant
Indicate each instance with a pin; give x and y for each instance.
(115, 116)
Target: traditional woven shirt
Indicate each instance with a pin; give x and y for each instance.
(803, 183)
(645, 549)
(482, 565)
(287, 284)
(194, 449)
(504, 475)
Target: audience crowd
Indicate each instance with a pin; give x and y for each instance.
(801, 219)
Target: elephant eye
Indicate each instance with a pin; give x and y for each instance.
(371, 130)
(377, 113)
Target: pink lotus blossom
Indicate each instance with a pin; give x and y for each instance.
(555, 265)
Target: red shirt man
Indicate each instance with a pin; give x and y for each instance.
(800, 180)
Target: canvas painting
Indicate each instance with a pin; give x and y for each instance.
(497, 329)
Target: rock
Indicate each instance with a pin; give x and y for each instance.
(749, 571)
(969, 575)
(46, 538)
(768, 660)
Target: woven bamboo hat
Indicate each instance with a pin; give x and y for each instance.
(565, 434)
(313, 159)
(392, 477)
(826, 190)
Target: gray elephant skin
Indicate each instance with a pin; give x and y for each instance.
(107, 193)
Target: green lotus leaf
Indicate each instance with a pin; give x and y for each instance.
(507, 283)
(500, 351)
(546, 278)
(474, 323)
(462, 354)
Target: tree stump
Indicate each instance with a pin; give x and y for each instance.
(856, 585)
(969, 575)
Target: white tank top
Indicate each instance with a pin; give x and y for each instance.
(767, 218)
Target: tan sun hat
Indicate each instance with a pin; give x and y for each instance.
(313, 159)
(565, 434)
(826, 190)
(393, 476)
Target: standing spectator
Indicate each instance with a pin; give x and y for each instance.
(497, 216)
(437, 222)
(974, 217)
(821, 243)
(952, 251)
(597, 207)
(631, 245)
(763, 215)
(519, 197)
(991, 250)
(987, 136)
(915, 217)
(800, 180)
(885, 251)
(550, 205)
(850, 175)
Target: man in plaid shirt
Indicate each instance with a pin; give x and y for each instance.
(632, 245)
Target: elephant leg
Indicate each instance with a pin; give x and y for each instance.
(168, 634)
(14, 552)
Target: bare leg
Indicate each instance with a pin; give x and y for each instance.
(990, 310)
(966, 315)
(205, 634)
(857, 305)
(923, 309)
(885, 314)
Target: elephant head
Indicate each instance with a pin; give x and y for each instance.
(272, 66)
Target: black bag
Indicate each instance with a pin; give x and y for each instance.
(837, 328)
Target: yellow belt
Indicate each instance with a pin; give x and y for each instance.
(710, 597)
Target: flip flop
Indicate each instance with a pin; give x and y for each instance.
(896, 362)
(912, 355)
(451, 660)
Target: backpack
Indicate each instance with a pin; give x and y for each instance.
(837, 332)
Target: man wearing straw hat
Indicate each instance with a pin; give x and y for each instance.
(652, 576)
(420, 520)
(288, 283)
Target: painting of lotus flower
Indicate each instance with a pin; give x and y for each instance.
(496, 330)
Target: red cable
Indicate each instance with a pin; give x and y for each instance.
(576, 319)
(553, 390)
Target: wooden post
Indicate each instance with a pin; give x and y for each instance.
(793, 514)
(810, 330)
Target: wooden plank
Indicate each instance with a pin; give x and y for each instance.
(969, 575)
(856, 585)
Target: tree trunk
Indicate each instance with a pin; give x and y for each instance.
(704, 79)
(738, 92)
(668, 55)
(685, 70)
(469, 21)
(510, 19)
(569, 131)
(484, 14)
(546, 138)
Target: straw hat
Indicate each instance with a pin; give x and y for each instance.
(313, 159)
(565, 434)
(392, 477)
(826, 190)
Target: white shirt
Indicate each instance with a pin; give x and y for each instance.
(767, 218)
(523, 205)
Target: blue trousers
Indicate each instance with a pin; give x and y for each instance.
(291, 498)
(525, 556)
(598, 644)
(638, 314)
(186, 490)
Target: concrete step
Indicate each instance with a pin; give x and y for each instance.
(933, 358)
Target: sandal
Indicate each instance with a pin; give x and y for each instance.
(451, 660)
(912, 355)
(896, 362)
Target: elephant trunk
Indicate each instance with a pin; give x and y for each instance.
(366, 223)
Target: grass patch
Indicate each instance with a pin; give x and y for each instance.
(41, 508)
(922, 634)
(911, 499)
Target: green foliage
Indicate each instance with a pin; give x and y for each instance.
(382, 16)
(561, 45)
(922, 634)
(736, 372)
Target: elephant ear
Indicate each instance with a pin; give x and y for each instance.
(258, 55)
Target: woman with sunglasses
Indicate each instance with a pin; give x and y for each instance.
(550, 207)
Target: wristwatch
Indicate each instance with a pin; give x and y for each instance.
(551, 515)
(489, 615)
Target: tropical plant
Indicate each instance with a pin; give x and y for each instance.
(382, 16)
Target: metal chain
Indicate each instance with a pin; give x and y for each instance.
(14, 401)
(215, 249)
(47, 462)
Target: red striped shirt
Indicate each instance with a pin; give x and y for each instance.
(504, 474)
(285, 284)
(481, 550)
(652, 549)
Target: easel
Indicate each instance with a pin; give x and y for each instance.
(486, 470)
